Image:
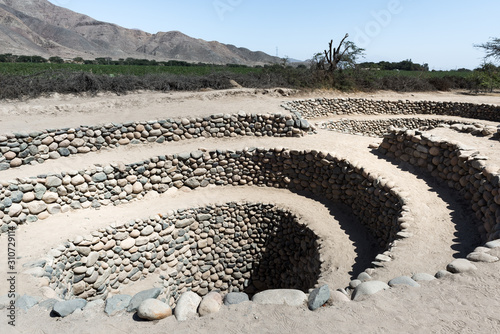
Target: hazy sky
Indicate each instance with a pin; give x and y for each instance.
(438, 32)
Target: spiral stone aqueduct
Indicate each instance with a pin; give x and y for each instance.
(220, 217)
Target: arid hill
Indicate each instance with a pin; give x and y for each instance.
(37, 27)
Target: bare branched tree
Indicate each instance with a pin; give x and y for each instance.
(333, 55)
(342, 57)
(492, 48)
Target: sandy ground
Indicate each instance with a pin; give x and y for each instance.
(443, 225)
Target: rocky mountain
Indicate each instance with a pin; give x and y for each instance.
(38, 27)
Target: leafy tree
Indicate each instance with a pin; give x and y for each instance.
(492, 48)
(7, 58)
(56, 60)
(487, 77)
(30, 59)
(405, 65)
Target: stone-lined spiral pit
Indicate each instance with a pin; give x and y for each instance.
(231, 247)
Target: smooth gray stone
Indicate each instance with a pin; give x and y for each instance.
(304, 124)
(318, 297)
(403, 280)
(493, 244)
(117, 303)
(26, 302)
(184, 156)
(442, 273)
(139, 297)
(184, 223)
(17, 196)
(99, 177)
(196, 154)
(53, 181)
(354, 283)
(187, 306)
(192, 183)
(482, 257)
(235, 298)
(47, 304)
(39, 190)
(460, 266)
(203, 217)
(423, 277)
(289, 297)
(364, 277)
(66, 307)
(97, 304)
(368, 288)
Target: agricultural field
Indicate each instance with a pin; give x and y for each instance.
(35, 68)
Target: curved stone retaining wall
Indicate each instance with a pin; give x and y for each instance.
(376, 204)
(229, 247)
(26, 148)
(461, 168)
(323, 107)
(378, 127)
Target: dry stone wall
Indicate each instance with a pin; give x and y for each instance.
(36, 147)
(324, 107)
(231, 247)
(459, 167)
(376, 204)
(378, 127)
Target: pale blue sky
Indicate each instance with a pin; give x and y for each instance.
(438, 32)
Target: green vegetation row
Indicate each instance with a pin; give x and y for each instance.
(36, 68)
(20, 80)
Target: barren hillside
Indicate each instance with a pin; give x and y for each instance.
(37, 27)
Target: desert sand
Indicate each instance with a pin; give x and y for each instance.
(443, 229)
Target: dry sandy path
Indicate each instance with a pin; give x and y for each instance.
(442, 224)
